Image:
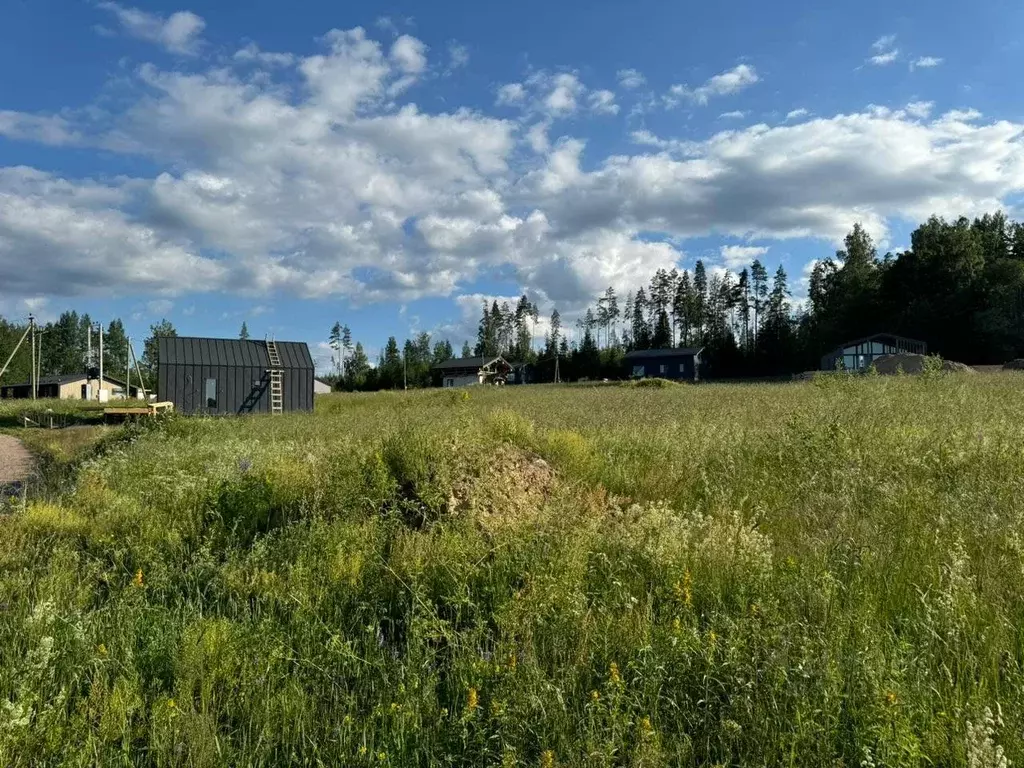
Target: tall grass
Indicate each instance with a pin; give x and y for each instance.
(828, 573)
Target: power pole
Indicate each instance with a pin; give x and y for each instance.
(405, 370)
(128, 371)
(558, 378)
(32, 328)
(99, 330)
(88, 361)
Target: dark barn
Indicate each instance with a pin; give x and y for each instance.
(232, 376)
(679, 364)
(859, 354)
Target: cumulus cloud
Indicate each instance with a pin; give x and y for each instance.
(179, 33)
(308, 176)
(925, 62)
(740, 256)
(725, 83)
(796, 114)
(603, 102)
(885, 51)
(630, 79)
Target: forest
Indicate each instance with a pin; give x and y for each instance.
(959, 287)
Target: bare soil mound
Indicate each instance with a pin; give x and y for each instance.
(890, 365)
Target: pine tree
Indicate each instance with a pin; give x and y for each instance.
(641, 330)
(243, 334)
(356, 368)
(466, 350)
(700, 301)
(555, 338)
(334, 340)
(115, 350)
(151, 350)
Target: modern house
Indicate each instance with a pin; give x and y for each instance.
(681, 364)
(321, 387)
(465, 371)
(859, 354)
(78, 386)
(234, 376)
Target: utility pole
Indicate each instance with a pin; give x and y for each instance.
(99, 330)
(558, 378)
(128, 372)
(405, 370)
(88, 360)
(32, 328)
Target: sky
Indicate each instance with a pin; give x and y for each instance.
(392, 165)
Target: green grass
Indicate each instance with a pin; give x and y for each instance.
(823, 573)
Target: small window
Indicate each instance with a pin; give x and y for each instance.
(638, 371)
(682, 367)
(663, 369)
(211, 393)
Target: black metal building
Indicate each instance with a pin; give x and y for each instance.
(859, 354)
(680, 364)
(231, 376)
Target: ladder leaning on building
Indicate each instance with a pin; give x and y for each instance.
(276, 379)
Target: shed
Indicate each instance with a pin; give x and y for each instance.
(234, 376)
(680, 364)
(464, 371)
(75, 386)
(859, 354)
(321, 387)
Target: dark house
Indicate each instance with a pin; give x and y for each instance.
(464, 371)
(225, 376)
(859, 354)
(680, 364)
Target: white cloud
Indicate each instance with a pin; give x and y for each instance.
(885, 51)
(311, 180)
(458, 56)
(409, 54)
(920, 109)
(562, 98)
(179, 33)
(511, 94)
(925, 62)
(159, 307)
(740, 256)
(736, 114)
(723, 84)
(796, 114)
(252, 53)
(630, 79)
(603, 102)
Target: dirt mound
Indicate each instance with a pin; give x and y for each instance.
(890, 365)
(1014, 365)
(512, 489)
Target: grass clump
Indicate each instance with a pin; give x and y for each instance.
(824, 573)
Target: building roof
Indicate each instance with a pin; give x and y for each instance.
(230, 353)
(875, 337)
(68, 378)
(674, 352)
(469, 362)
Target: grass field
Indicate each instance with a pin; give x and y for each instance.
(818, 574)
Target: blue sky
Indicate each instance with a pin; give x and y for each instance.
(391, 165)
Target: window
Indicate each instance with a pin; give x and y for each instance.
(211, 393)
(663, 369)
(638, 371)
(682, 367)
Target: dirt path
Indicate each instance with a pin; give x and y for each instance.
(15, 462)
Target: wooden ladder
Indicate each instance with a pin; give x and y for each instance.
(276, 379)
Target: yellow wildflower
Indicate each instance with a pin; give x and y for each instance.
(646, 729)
(472, 700)
(547, 759)
(363, 750)
(677, 625)
(138, 578)
(890, 698)
(613, 673)
(382, 756)
(101, 649)
(595, 696)
(171, 704)
(512, 661)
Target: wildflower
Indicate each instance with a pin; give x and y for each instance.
(363, 750)
(101, 649)
(595, 696)
(138, 578)
(890, 698)
(382, 756)
(712, 638)
(444, 713)
(646, 729)
(982, 750)
(547, 759)
(512, 661)
(613, 674)
(171, 704)
(472, 700)
(677, 625)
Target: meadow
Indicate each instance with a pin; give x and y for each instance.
(825, 573)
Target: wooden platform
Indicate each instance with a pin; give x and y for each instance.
(116, 415)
